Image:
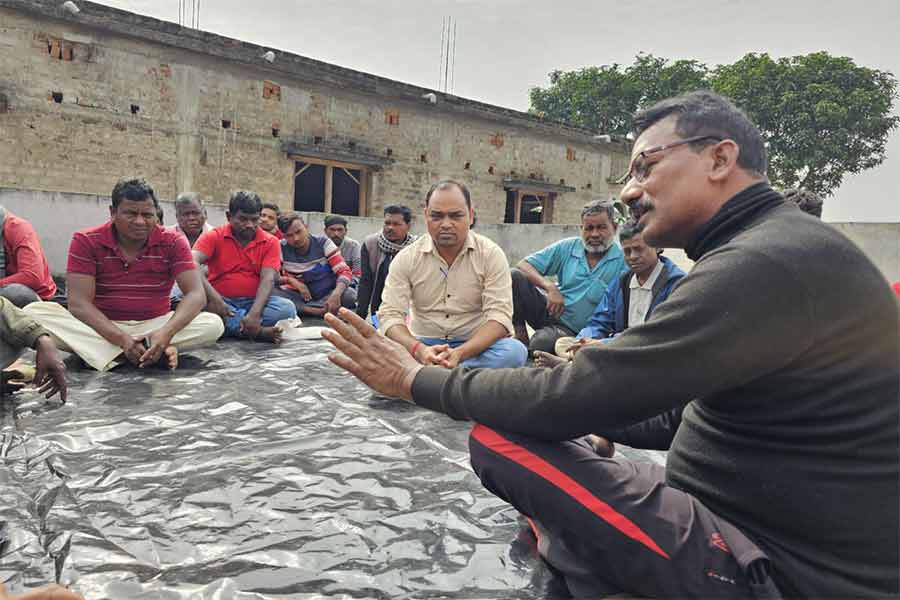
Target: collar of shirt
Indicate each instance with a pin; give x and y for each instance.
(648, 285)
(259, 238)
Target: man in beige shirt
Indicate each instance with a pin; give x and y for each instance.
(458, 288)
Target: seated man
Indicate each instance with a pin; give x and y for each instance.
(19, 331)
(627, 302)
(336, 230)
(783, 480)
(268, 219)
(584, 268)
(24, 273)
(242, 263)
(315, 277)
(119, 277)
(457, 285)
(378, 250)
(190, 215)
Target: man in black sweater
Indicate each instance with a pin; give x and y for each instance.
(784, 344)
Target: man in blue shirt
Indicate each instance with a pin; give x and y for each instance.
(628, 300)
(584, 267)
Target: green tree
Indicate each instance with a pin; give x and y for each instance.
(603, 99)
(821, 116)
(658, 78)
(600, 99)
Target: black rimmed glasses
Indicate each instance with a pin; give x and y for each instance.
(640, 168)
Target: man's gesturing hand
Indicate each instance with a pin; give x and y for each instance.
(380, 363)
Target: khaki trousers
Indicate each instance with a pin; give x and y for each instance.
(71, 335)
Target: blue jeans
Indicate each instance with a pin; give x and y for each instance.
(275, 310)
(505, 353)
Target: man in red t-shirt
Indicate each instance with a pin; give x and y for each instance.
(242, 263)
(24, 273)
(119, 277)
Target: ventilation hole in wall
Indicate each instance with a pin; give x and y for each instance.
(512, 174)
(423, 158)
(588, 186)
(135, 109)
(351, 145)
(491, 170)
(226, 124)
(390, 151)
(57, 97)
(317, 140)
(562, 182)
(275, 132)
(467, 166)
(531, 176)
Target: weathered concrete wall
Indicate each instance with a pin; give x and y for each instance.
(56, 216)
(140, 96)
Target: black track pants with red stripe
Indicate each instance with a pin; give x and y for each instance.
(615, 525)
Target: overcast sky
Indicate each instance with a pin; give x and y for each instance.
(505, 47)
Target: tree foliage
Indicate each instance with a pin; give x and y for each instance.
(821, 116)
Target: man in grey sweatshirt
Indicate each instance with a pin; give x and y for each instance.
(783, 343)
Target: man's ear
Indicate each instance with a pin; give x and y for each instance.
(227, 216)
(724, 156)
(112, 211)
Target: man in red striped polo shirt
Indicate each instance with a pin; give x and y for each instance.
(119, 277)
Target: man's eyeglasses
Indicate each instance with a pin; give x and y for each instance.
(640, 168)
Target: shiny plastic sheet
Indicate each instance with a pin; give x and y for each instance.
(251, 472)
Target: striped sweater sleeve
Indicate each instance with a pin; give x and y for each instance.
(336, 261)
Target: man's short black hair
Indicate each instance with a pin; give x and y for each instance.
(272, 207)
(397, 209)
(188, 198)
(629, 230)
(335, 220)
(285, 220)
(135, 189)
(707, 113)
(246, 202)
(447, 184)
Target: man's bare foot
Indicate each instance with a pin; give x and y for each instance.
(169, 358)
(270, 334)
(545, 359)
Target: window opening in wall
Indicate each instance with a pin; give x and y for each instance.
(226, 124)
(331, 187)
(57, 97)
(276, 132)
(532, 207)
(135, 109)
(345, 191)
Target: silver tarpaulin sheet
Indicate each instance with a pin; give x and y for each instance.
(250, 472)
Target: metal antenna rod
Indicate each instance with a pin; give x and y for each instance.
(453, 62)
(441, 64)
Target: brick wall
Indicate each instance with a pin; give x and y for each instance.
(85, 105)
